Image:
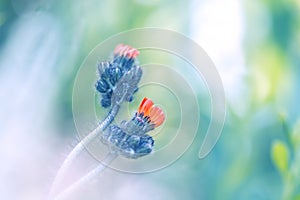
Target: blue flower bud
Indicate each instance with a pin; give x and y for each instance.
(119, 77)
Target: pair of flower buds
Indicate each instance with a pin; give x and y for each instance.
(118, 80)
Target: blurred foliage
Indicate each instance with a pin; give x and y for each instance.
(280, 156)
(258, 155)
(288, 166)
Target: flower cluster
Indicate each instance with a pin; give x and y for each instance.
(118, 80)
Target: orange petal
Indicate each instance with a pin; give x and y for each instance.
(119, 48)
(157, 116)
(154, 112)
(159, 112)
(126, 50)
(135, 53)
(132, 53)
(145, 106)
(141, 104)
(159, 120)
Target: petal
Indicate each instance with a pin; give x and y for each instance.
(159, 120)
(119, 49)
(157, 116)
(154, 112)
(126, 50)
(141, 104)
(145, 106)
(132, 53)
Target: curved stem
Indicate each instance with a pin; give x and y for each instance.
(80, 146)
(92, 174)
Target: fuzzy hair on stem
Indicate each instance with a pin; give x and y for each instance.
(80, 147)
(85, 179)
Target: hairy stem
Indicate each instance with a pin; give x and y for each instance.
(85, 179)
(81, 146)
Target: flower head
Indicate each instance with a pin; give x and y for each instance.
(112, 73)
(131, 139)
(147, 118)
(149, 114)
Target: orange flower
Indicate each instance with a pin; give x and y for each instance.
(149, 110)
(127, 51)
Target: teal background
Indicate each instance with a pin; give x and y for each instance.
(254, 45)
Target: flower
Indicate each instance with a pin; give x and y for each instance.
(149, 114)
(131, 139)
(111, 72)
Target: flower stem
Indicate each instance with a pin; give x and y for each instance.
(82, 181)
(80, 146)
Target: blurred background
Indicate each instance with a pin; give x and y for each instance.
(254, 45)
